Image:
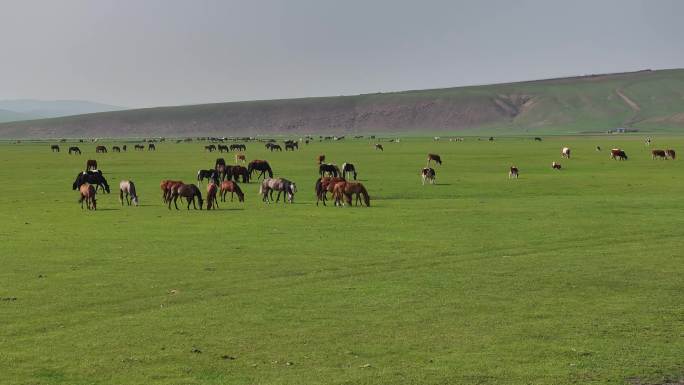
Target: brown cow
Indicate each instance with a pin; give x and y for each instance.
(660, 154)
(618, 154)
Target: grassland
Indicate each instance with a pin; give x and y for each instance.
(569, 277)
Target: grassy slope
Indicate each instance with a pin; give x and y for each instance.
(571, 105)
(558, 277)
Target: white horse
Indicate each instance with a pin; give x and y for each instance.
(565, 152)
(428, 174)
(127, 188)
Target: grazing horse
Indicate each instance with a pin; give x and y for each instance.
(537, 139)
(209, 175)
(91, 164)
(321, 159)
(328, 168)
(275, 147)
(348, 169)
(598, 148)
(239, 147)
(124, 147)
(281, 185)
(565, 152)
(116, 149)
(345, 190)
(660, 154)
(555, 166)
(126, 189)
(240, 158)
(618, 154)
(323, 186)
(291, 146)
(87, 192)
(139, 147)
(259, 165)
(212, 189)
(221, 148)
(210, 148)
(93, 177)
(232, 187)
(54, 148)
(151, 147)
(74, 150)
(428, 174)
(378, 146)
(670, 153)
(513, 173)
(166, 187)
(187, 191)
(434, 158)
(100, 149)
(240, 171)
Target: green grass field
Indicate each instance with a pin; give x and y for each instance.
(569, 277)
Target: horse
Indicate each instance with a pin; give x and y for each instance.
(346, 190)
(93, 177)
(210, 148)
(259, 165)
(240, 158)
(660, 154)
(232, 187)
(189, 192)
(221, 148)
(348, 169)
(282, 185)
(238, 147)
(212, 189)
(91, 164)
(74, 150)
(139, 147)
(237, 171)
(275, 147)
(126, 189)
(618, 154)
(565, 152)
(598, 148)
(378, 146)
(321, 159)
(54, 148)
(555, 166)
(513, 173)
(124, 147)
(167, 186)
(434, 158)
(101, 149)
(209, 175)
(291, 146)
(428, 174)
(327, 168)
(537, 139)
(670, 153)
(323, 186)
(87, 192)
(116, 149)
(151, 147)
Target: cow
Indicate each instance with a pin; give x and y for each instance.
(617, 154)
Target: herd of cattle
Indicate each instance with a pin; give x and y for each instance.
(223, 178)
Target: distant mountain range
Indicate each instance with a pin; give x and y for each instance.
(26, 109)
(652, 101)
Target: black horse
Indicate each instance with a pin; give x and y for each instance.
(238, 171)
(348, 168)
(259, 165)
(74, 150)
(93, 177)
(238, 147)
(209, 175)
(291, 146)
(223, 148)
(327, 168)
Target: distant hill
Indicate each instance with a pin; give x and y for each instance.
(11, 116)
(36, 109)
(648, 100)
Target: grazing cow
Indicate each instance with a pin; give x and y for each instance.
(618, 154)
(240, 158)
(87, 192)
(660, 154)
(232, 187)
(212, 189)
(348, 169)
(378, 146)
(434, 158)
(513, 173)
(127, 189)
(565, 152)
(100, 149)
(91, 164)
(321, 159)
(537, 139)
(428, 175)
(189, 192)
(555, 166)
(328, 168)
(116, 149)
(139, 147)
(74, 150)
(54, 148)
(259, 165)
(210, 148)
(209, 175)
(343, 192)
(670, 153)
(151, 147)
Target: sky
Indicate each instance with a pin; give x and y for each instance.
(143, 53)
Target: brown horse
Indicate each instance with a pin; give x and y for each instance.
(167, 186)
(189, 192)
(87, 192)
(212, 189)
(670, 153)
(240, 171)
(346, 190)
(240, 158)
(91, 164)
(321, 159)
(325, 185)
(102, 149)
(658, 154)
(232, 187)
(434, 158)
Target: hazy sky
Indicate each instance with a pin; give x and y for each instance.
(140, 53)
